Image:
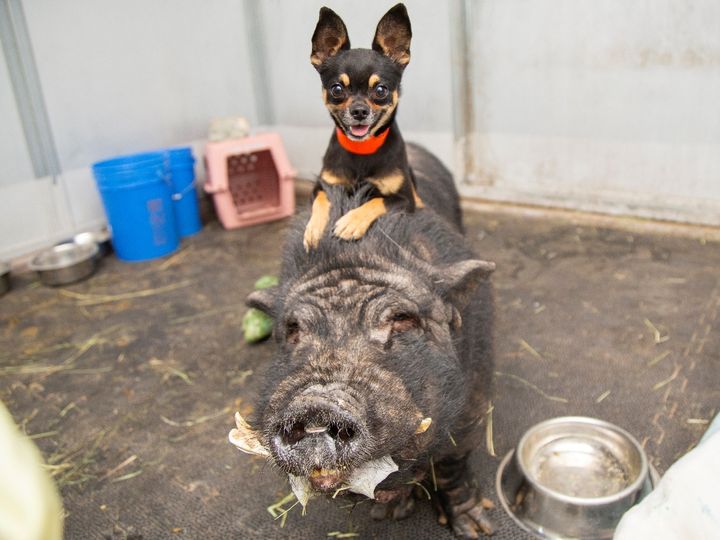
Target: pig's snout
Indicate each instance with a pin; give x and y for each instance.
(320, 436)
(341, 431)
(314, 423)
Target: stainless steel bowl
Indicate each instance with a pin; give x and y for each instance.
(65, 263)
(573, 477)
(4, 277)
(101, 238)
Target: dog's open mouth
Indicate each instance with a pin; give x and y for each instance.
(359, 131)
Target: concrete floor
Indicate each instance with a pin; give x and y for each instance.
(128, 381)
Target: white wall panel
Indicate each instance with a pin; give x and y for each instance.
(609, 105)
(127, 76)
(15, 165)
(602, 105)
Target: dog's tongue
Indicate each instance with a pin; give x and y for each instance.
(359, 131)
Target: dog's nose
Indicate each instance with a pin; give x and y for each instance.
(359, 111)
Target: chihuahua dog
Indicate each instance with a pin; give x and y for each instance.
(361, 89)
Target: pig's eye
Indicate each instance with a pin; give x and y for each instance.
(402, 322)
(292, 332)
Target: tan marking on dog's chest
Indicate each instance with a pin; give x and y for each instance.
(333, 179)
(390, 184)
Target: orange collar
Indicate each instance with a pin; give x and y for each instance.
(366, 147)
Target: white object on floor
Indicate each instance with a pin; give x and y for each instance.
(685, 505)
(30, 507)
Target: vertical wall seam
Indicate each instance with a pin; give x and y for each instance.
(255, 36)
(27, 89)
(462, 84)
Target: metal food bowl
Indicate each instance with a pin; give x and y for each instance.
(65, 263)
(573, 477)
(101, 238)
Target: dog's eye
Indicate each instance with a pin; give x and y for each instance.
(381, 91)
(337, 91)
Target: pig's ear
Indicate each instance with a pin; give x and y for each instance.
(265, 300)
(457, 281)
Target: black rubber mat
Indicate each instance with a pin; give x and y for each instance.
(129, 380)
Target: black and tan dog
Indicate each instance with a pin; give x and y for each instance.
(361, 88)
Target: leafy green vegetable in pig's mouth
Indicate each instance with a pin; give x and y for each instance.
(363, 480)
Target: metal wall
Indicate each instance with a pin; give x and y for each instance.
(606, 105)
(603, 105)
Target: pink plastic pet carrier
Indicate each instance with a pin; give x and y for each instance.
(250, 179)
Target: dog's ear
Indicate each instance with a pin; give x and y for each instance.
(393, 34)
(330, 37)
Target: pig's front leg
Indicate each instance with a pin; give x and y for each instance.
(396, 504)
(459, 500)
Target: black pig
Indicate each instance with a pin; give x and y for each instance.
(383, 349)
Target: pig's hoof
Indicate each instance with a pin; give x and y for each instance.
(469, 519)
(404, 508)
(398, 508)
(379, 511)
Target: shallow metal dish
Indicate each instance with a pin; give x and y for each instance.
(573, 477)
(65, 263)
(4, 277)
(101, 238)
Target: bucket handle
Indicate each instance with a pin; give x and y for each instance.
(185, 191)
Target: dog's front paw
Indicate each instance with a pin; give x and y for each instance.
(352, 225)
(318, 221)
(356, 222)
(469, 518)
(313, 234)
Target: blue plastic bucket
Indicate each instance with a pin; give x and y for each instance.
(182, 175)
(123, 169)
(137, 196)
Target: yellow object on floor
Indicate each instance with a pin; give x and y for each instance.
(30, 506)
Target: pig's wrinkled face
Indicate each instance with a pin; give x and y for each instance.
(365, 356)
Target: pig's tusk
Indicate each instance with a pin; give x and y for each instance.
(424, 425)
(245, 439)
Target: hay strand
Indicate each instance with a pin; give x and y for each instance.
(532, 386)
(489, 442)
(95, 299)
